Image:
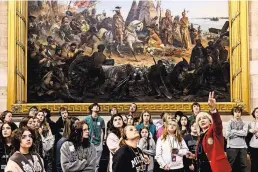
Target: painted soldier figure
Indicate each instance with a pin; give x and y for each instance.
(167, 28)
(66, 31)
(118, 26)
(184, 30)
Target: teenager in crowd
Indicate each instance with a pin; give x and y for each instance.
(191, 141)
(253, 144)
(1, 122)
(5, 144)
(124, 118)
(77, 153)
(51, 123)
(113, 138)
(178, 115)
(135, 160)
(184, 125)
(236, 132)
(33, 111)
(70, 123)
(210, 150)
(112, 112)
(130, 120)
(7, 116)
(47, 141)
(37, 143)
(166, 118)
(171, 148)
(159, 123)
(196, 109)
(145, 120)
(60, 123)
(148, 147)
(97, 130)
(133, 112)
(27, 122)
(24, 158)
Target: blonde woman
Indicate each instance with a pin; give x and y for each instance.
(210, 146)
(161, 126)
(171, 148)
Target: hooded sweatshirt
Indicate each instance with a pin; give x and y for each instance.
(80, 159)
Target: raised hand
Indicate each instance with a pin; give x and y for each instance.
(212, 101)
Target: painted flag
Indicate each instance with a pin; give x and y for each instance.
(84, 4)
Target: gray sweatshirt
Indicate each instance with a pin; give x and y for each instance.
(150, 152)
(81, 160)
(236, 133)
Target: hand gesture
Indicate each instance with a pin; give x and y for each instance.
(146, 159)
(166, 168)
(212, 101)
(191, 167)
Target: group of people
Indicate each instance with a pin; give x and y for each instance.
(175, 143)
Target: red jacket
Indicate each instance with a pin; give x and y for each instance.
(213, 146)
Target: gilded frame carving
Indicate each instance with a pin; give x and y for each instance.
(17, 69)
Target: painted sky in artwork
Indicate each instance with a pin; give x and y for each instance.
(196, 8)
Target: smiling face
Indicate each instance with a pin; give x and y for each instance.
(26, 140)
(131, 133)
(118, 122)
(8, 117)
(6, 130)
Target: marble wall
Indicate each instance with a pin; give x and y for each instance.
(253, 24)
(3, 54)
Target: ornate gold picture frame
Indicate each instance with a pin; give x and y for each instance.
(17, 66)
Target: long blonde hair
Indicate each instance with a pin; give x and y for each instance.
(165, 132)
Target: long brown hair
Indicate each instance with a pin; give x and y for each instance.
(141, 118)
(165, 132)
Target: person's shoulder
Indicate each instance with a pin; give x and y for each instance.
(187, 137)
(87, 118)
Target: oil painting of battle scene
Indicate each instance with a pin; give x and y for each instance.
(130, 50)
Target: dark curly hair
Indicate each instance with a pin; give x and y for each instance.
(113, 129)
(17, 136)
(76, 135)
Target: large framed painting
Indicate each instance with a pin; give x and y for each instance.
(163, 55)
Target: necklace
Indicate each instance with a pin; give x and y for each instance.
(142, 160)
